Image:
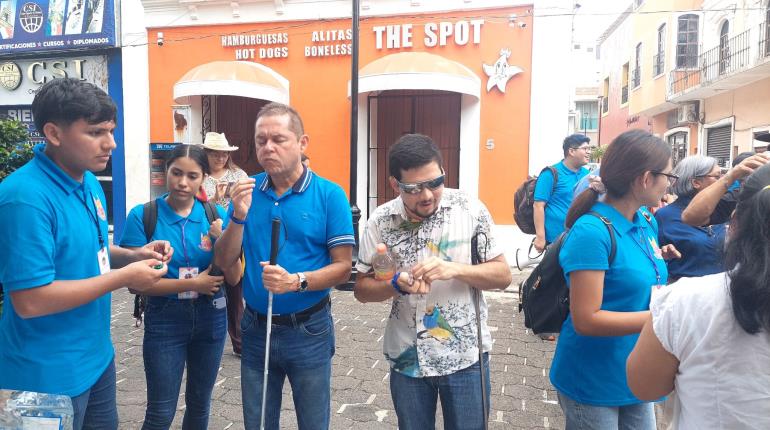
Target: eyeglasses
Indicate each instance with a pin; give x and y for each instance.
(715, 176)
(671, 178)
(417, 188)
(584, 147)
(217, 154)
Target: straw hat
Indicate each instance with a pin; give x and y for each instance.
(217, 142)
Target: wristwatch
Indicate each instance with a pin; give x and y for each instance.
(302, 282)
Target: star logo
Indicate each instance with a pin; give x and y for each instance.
(501, 72)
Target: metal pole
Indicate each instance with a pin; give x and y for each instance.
(354, 125)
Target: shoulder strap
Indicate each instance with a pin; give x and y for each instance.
(149, 219)
(608, 224)
(212, 214)
(555, 174)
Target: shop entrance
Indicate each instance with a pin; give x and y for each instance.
(393, 114)
(235, 117)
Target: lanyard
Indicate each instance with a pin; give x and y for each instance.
(647, 249)
(184, 245)
(92, 216)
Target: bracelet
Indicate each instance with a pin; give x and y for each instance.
(236, 220)
(394, 283)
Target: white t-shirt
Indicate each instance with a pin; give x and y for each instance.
(724, 373)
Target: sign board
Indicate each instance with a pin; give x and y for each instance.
(21, 79)
(55, 25)
(23, 114)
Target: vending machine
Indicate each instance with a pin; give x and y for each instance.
(158, 153)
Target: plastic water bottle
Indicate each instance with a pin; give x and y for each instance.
(23, 410)
(383, 264)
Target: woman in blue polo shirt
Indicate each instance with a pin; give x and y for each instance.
(185, 319)
(609, 303)
(701, 247)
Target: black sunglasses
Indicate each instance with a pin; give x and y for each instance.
(419, 186)
(671, 177)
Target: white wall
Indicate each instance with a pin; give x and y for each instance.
(136, 99)
(551, 92)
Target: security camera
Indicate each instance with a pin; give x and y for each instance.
(522, 25)
(160, 38)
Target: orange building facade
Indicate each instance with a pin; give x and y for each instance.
(464, 78)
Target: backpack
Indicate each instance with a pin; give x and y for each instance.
(524, 201)
(544, 296)
(149, 221)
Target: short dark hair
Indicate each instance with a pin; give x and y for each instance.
(194, 152)
(411, 151)
(573, 141)
(279, 109)
(64, 101)
(742, 156)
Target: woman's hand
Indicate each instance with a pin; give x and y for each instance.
(207, 284)
(215, 229)
(669, 252)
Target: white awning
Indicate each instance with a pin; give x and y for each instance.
(232, 78)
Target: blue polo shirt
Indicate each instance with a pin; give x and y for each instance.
(193, 247)
(701, 247)
(315, 217)
(557, 199)
(592, 369)
(48, 232)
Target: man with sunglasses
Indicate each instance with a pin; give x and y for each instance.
(431, 339)
(553, 193)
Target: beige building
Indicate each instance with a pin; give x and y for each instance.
(701, 71)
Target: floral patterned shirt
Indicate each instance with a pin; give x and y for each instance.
(210, 184)
(432, 334)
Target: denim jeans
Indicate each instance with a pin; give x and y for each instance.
(179, 332)
(96, 408)
(303, 353)
(581, 416)
(415, 399)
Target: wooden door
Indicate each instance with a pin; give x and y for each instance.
(432, 113)
(235, 117)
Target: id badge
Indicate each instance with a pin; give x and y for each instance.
(104, 261)
(219, 303)
(188, 273)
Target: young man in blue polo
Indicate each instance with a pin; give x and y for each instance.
(316, 242)
(553, 200)
(56, 261)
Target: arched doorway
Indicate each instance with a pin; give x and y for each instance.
(418, 92)
(225, 96)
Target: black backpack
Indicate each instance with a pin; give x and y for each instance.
(149, 221)
(544, 296)
(524, 201)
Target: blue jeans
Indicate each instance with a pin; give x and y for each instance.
(302, 352)
(581, 416)
(179, 332)
(96, 408)
(415, 399)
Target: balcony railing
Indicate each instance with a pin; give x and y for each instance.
(658, 62)
(636, 77)
(730, 56)
(624, 94)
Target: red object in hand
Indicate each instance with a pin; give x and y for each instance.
(201, 195)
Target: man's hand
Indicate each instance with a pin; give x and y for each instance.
(408, 284)
(241, 197)
(158, 249)
(746, 167)
(276, 279)
(539, 243)
(215, 229)
(435, 269)
(669, 252)
(207, 284)
(143, 275)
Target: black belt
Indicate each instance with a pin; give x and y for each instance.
(289, 319)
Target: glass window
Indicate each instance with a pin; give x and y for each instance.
(687, 41)
(589, 115)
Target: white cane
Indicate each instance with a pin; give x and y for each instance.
(273, 256)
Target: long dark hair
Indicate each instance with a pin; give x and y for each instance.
(628, 157)
(748, 253)
(195, 152)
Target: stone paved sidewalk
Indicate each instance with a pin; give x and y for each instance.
(522, 396)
